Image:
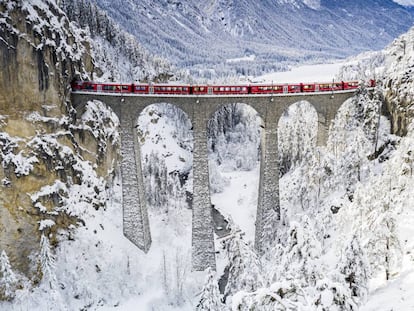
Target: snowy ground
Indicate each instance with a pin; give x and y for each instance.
(396, 296)
(239, 200)
(306, 73)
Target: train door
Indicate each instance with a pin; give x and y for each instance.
(316, 87)
(210, 90)
(99, 87)
(151, 89)
(285, 89)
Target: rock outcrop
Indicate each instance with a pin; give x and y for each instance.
(46, 155)
(399, 82)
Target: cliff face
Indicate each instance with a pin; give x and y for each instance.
(46, 155)
(399, 82)
(41, 52)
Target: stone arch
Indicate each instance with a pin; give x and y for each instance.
(339, 122)
(231, 111)
(168, 156)
(297, 132)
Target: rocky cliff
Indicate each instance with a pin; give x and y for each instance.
(50, 172)
(399, 82)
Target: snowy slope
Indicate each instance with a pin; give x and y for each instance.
(118, 56)
(201, 36)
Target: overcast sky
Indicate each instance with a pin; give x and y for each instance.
(405, 2)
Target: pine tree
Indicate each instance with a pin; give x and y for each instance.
(210, 295)
(244, 267)
(299, 260)
(47, 262)
(8, 280)
(354, 269)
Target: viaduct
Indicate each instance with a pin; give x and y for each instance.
(200, 109)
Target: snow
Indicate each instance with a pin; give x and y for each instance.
(248, 58)
(239, 199)
(305, 73)
(396, 295)
(405, 2)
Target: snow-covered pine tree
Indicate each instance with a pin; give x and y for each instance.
(47, 262)
(210, 299)
(300, 259)
(354, 268)
(245, 272)
(8, 280)
(333, 294)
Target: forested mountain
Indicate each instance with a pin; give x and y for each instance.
(213, 38)
(118, 55)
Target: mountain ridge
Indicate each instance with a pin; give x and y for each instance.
(202, 37)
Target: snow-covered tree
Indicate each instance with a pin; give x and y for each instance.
(299, 260)
(297, 134)
(234, 137)
(8, 279)
(210, 299)
(244, 268)
(47, 262)
(354, 268)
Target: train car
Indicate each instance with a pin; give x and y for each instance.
(230, 89)
(293, 88)
(329, 86)
(84, 86)
(169, 89)
(90, 86)
(350, 85)
(140, 88)
(308, 87)
(266, 89)
(114, 88)
(201, 90)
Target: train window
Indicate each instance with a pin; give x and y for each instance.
(221, 88)
(306, 87)
(232, 89)
(185, 89)
(244, 89)
(202, 89)
(125, 87)
(227, 88)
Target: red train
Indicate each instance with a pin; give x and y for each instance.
(171, 89)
